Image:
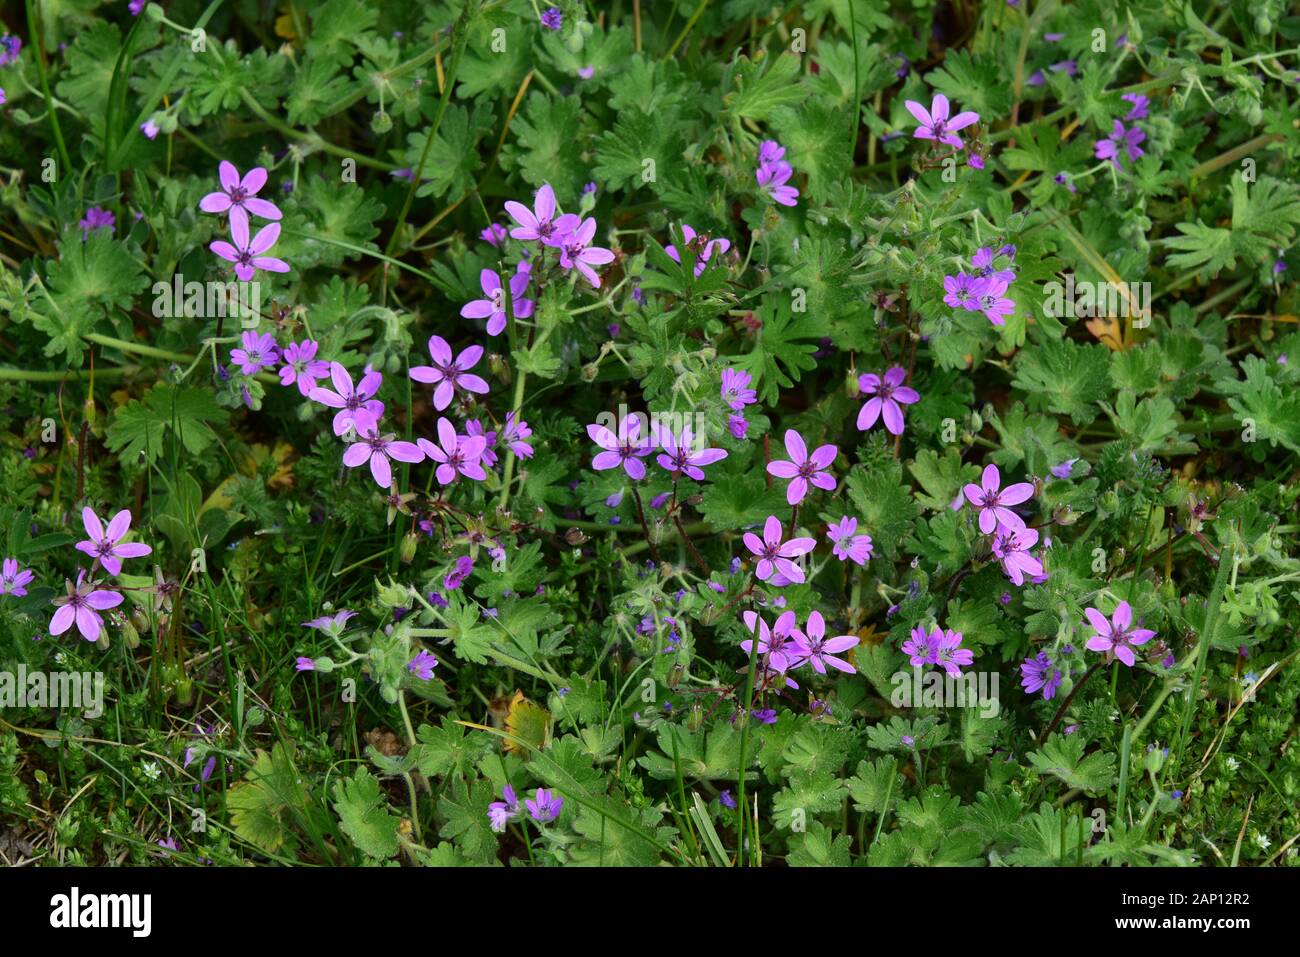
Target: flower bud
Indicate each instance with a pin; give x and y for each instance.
(381, 123)
(407, 552)
(394, 595)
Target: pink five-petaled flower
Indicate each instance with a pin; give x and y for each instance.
(107, 546)
(422, 665)
(993, 502)
(774, 647)
(627, 448)
(1118, 634)
(377, 450)
(357, 408)
(1011, 546)
(846, 545)
(803, 468)
(247, 255)
(576, 251)
(703, 250)
(989, 299)
(258, 352)
(959, 291)
(888, 396)
(681, 455)
(735, 389)
(450, 373)
(1120, 138)
(950, 654)
(12, 580)
(813, 647)
(501, 813)
(774, 556)
(239, 196)
(772, 179)
(544, 806)
(540, 223)
(302, 367)
(456, 454)
(922, 648)
(936, 124)
(514, 433)
(331, 624)
(493, 308)
(82, 604)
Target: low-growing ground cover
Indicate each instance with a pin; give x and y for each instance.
(724, 433)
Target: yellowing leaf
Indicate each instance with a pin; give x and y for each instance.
(529, 722)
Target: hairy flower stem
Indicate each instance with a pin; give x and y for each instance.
(640, 514)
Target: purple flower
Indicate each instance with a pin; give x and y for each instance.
(304, 664)
(9, 47)
(246, 254)
(1118, 634)
(475, 427)
(493, 308)
(812, 645)
(726, 800)
(149, 128)
(982, 263)
(1011, 546)
(995, 306)
(845, 545)
(331, 624)
(921, 648)
(774, 556)
(1064, 469)
(456, 454)
(82, 604)
(626, 448)
(494, 235)
(975, 161)
(735, 389)
(576, 252)
(737, 426)
(378, 450)
(992, 502)
(950, 654)
(302, 367)
(1109, 148)
(258, 352)
(448, 373)
(764, 715)
(106, 546)
(544, 806)
(358, 409)
(238, 197)
(889, 395)
(936, 124)
(97, 218)
(772, 179)
(704, 250)
(1062, 179)
(540, 223)
(680, 454)
(501, 813)
(1140, 107)
(959, 292)
(422, 665)
(774, 647)
(514, 433)
(460, 571)
(552, 18)
(802, 468)
(14, 581)
(1039, 674)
